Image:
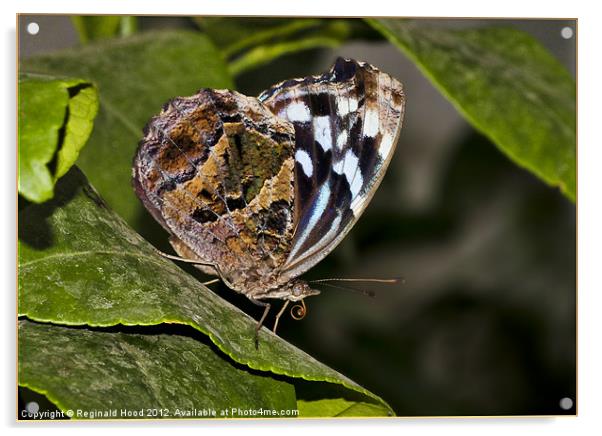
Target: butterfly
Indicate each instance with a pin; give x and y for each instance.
(259, 190)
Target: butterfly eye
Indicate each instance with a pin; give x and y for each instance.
(297, 290)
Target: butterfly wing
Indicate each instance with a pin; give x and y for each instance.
(346, 122)
(216, 170)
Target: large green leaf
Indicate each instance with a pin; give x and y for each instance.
(55, 120)
(121, 374)
(505, 84)
(135, 77)
(80, 264)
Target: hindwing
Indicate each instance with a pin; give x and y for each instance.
(216, 170)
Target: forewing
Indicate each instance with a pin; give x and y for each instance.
(346, 122)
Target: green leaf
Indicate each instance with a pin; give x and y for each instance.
(94, 27)
(55, 120)
(118, 371)
(233, 35)
(337, 407)
(506, 85)
(135, 77)
(266, 53)
(80, 264)
(82, 109)
(253, 42)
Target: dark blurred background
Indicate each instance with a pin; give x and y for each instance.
(485, 321)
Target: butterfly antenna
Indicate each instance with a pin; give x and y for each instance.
(391, 281)
(349, 288)
(327, 282)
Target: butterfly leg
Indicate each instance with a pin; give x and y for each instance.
(199, 262)
(210, 282)
(280, 314)
(182, 259)
(260, 323)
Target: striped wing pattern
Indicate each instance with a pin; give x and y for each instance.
(346, 123)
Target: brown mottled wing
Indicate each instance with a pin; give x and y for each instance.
(216, 170)
(347, 122)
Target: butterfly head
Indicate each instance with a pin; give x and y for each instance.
(295, 290)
